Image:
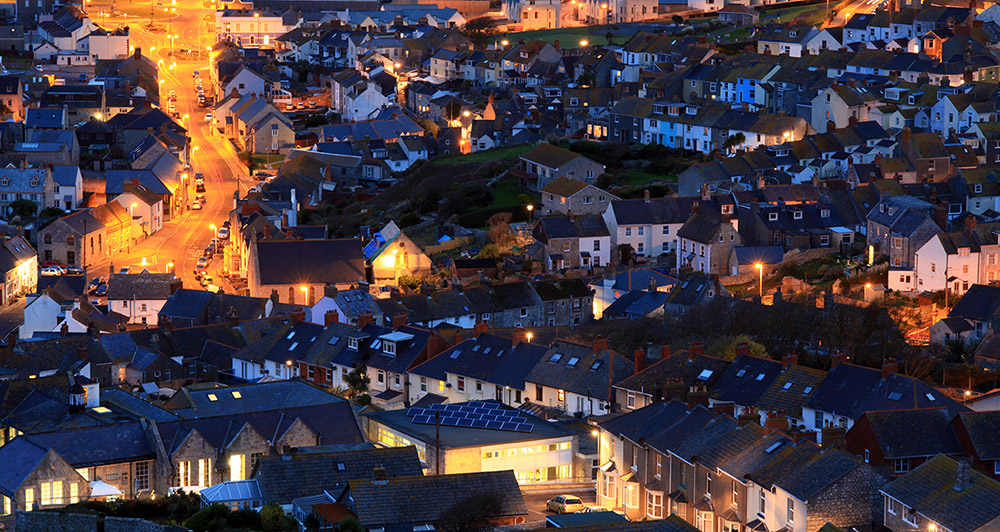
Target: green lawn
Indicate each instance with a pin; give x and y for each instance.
(811, 14)
(567, 37)
(636, 177)
(488, 155)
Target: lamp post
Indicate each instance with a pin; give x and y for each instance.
(216, 237)
(530, 208)
(760, 271)
(529, 336)
(305, 294)
(256, 17)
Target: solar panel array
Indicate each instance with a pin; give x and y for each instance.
(475, 414)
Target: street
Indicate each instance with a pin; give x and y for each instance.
(535, 501)
(183, 238)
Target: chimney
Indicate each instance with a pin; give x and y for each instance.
(674, 389)
(970, 221)
(697, 395)
(834, 437)
(365, 319)
(839, 358)
(694, 350)
(298, 315)
(274, 297)
(399, 320)
(804, 435)
(379, 475)
(742, 350)
(572, 217)
(695, 207)
(480, 328)
(889, 366)
(728, 409)
(457, 339)
(82, 352)
(600, 344)
(748, 416)
(645, 195)
(331, 317)
(640, 360)
(232, 318)
(519, 336)
(776, 421)
(138, 53)
(706, 192)
(64, 329)
(664, 351)
(962, 480)
(789, 360)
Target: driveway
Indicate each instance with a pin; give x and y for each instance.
(535, 500)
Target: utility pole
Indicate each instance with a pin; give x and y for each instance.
(437, 442)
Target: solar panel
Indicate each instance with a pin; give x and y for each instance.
(449, 421)
(508, 426)
(524, 427)
(438, 406)
(416, 412)
(479, 423)
(495, 425)
(465, 422)
(488, 417)
(425, 420)
(476, 404)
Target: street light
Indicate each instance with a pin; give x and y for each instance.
(760, 270)
(584, 43)
(213, 228)
(256, 16)
(305, 294)
(530, 208)
(529, 336)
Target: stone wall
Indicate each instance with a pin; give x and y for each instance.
(852, 501)
(123, 524)
(55, 522)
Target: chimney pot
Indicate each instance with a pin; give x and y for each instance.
(889, 366)
(789, 360)
(640, 360)
(776, 421)
(600, 344)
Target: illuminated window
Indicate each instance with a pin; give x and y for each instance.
(184, 474)
(205, 471)
(46, 494)
(57, 492)
(29, 499)
(562, 395)
(237, 467)
(74, 493)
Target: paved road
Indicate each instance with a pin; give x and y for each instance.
(535, 502)
(182, 239)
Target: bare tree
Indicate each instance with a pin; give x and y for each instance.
(474, 513)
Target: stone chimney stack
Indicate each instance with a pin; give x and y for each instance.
(962, 480)
(640, 360)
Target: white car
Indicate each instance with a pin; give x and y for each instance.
(196, 206)
(51, 271)
(223, 232)
(208, 117)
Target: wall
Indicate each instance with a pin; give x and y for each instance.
(55, 522)
(852, 501)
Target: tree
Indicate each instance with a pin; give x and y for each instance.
(499, 227)
(473, 513)
(734, 141)
(677, 19)
(23, 208)
(429, 126)
(725, 347)
(586, 79)
(350, 524)
(479, 29)
(357, 381)
(271, 516)
(626, 254)
(317, 120)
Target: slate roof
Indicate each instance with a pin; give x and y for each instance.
(850, 390)
(679, 365)
(20, 458)
(746, 380)
(408, 351)
(550, 156)
(929, 489)
(983, 428)
(701, 227)
(791, 390)
(590, 373)
(564, 187)
(487, 357)
(101, 445)
(260, 397)
(583, 226)
(337, 261)
(46, 117)
(818, 473)
(980, 303)
(425, 499)
(142, 286)
(914, 433)
(644, 421)
(287, 477)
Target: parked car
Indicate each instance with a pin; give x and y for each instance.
(208, 117)
(101, 290)
(312, 105)
(206, 280)
(289, 106)
(199, 177)
(51, 271)
(48, 263)
(196, 206)
(564, 504)
(200, 187)
(124, 270)
(95, 283)
(223, 232)
(196, 73)
(300, 105)
(599, 509)
(201, 199)
(74, 270)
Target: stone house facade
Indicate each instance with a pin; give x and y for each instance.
(105, 230)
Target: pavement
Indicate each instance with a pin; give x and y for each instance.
(535, 501)
(183, 239)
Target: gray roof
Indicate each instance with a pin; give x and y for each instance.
(260, 397)
(983, 428)
(978, 304)
(929, 489)
(572, 226)
(655, 211)
(589, 374)
(23, 179)
(337, 261)
(65, 176)
(94, 446)
(818, 473)
(142, 286)
(20, 458)
(288, 477)
(914, 433)
(488, 358)
(426, 499)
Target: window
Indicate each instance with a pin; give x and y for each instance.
(423, 384)
(736, 494)
(461, 384)
(379, 377)
(708, 485)
(654, 505)
(29, 499)
(597, 245)
(608, 487)
(57, 492)
(641, 231)
(630, 400)
(666, 230)
(524, 312)
(901, 465)
(628, 231)
(141, 477)
(46, 491)
(891, 505)
(631, 496)
(237, 468)
(791, 511)
(996, 467)
(184, 474)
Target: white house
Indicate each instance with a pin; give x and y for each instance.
(140, 296)
(47, 312)
(958, 260)
(69, 186)
(146, 208)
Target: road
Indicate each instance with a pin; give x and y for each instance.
(183, 238)
(534, 501)
(851, 9)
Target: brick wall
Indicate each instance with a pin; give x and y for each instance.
(852, 501)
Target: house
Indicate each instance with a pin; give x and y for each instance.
(461, 448)
(977, 307)
(41, 480)
(705, 242)
(356, 96)
(392, 353)
(957, 260)
(928, 155)
(485, 367)
(391, 255)
(576, 378)
(888, 438)
(19, 265)
(275, 355)
(974, 432)
(393, 502)
(898, 226)
(841, 105)
(739, 15)
(347, 307)
(566, 195)
(318, 263)
(68, 187)
(546, 163)
(270, 134)
(744, 259)
(12, 96)
(610, 288)
(140, 296)
(802, 226)
(192, 308)
(568, 302)
(539, 15)
(573, 241)
(944, 493)
(105, 230)
(33, 184)
(779, 39)
(695, 289)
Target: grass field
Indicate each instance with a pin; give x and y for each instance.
(483, 156)
(636, 177)
(567, 37)
(811, 14)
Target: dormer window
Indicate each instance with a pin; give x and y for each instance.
(825, 213)
(4, 182)
(978, 189)
(772, 216)
(524, 54)
(34, 182)
(797, 215)
(792, 33)
(352, 344)
(674, 110)
(389, 348)
(691, 110)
